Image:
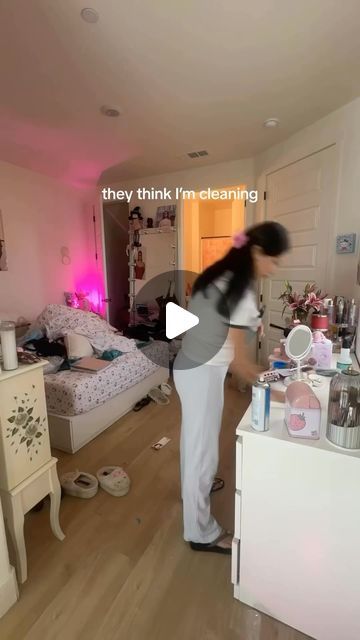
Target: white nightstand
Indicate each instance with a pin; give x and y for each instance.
(27, 469)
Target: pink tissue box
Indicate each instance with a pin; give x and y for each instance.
(302, 411)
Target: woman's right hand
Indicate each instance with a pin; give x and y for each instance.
(247, 371)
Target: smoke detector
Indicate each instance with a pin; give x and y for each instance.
(89, 15)
(110, 111)
(271, 123)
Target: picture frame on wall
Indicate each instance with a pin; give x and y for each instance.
(165, 216)
(3, 256)
(346, 243)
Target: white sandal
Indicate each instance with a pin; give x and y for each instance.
(158, 396)
(79, 484)
(114, 480)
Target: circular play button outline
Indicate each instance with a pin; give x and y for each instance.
(200, 327)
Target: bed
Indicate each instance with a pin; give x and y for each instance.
(82, 405)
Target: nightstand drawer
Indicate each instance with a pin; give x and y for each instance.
(24, 437)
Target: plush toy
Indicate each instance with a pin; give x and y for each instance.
(83, 303)
(135, 224)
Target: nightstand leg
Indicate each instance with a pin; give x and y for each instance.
(55, 499)
(14, 516)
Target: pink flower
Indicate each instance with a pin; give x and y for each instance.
(240, 239)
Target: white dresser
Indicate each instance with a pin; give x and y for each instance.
(296, 551)
(27, 469)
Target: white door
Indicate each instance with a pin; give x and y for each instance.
(300, 196)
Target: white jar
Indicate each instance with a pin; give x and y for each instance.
(8, 345)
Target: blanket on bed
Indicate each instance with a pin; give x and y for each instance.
(56, 321)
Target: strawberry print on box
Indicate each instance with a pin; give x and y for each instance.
(302, 411)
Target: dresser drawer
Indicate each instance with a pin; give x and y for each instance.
(237, 527)
(239, 464)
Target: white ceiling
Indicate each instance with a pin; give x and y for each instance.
(188, 75)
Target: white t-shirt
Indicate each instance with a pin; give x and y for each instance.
(209, 342)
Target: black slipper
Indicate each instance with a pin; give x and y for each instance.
(217, 485)
(212, 547)
(142, 403)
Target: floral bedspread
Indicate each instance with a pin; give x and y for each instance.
(71, 393)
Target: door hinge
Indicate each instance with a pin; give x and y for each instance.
(259, 345)
(264, 195)
(245, 202)
(94, 219)
(261, 297)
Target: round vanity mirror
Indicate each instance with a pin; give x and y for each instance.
(298, 345)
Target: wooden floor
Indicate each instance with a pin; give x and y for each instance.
(123, 571)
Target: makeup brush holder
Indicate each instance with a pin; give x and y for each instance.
(343, 427)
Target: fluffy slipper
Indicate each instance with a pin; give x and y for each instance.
(213, 547)
(114, 480)
(79, 484)
(158, 396)
(166, 388)
(217, 484)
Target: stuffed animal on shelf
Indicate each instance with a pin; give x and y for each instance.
(135, 224)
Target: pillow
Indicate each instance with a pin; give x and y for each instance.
(77, 346)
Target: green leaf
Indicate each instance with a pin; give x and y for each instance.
(15, 430)
(38, 420)
(30, 411)
(21, 409)
(38, 435)
(12, 419)
(30, 419)
(28, 443)
(22, 439)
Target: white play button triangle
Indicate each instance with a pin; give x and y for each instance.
(178, 320)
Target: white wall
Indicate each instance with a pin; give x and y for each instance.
(226, 174)
(341, 127)
(41, 215)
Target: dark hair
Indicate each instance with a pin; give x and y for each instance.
(271, 237)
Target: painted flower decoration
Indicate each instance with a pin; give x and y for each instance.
(240, 239)
(21, 419)
(24, 428)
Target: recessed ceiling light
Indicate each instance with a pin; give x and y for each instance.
(270, 123)
(109, 111)
(89, 15)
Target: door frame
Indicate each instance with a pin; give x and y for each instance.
(103, 253)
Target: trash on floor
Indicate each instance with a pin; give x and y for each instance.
(160, 444)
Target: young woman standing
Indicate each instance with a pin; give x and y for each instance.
(225, 300)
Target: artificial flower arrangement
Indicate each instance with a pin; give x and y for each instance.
(300, 304)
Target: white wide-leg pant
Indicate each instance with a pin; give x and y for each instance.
(201, 391)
